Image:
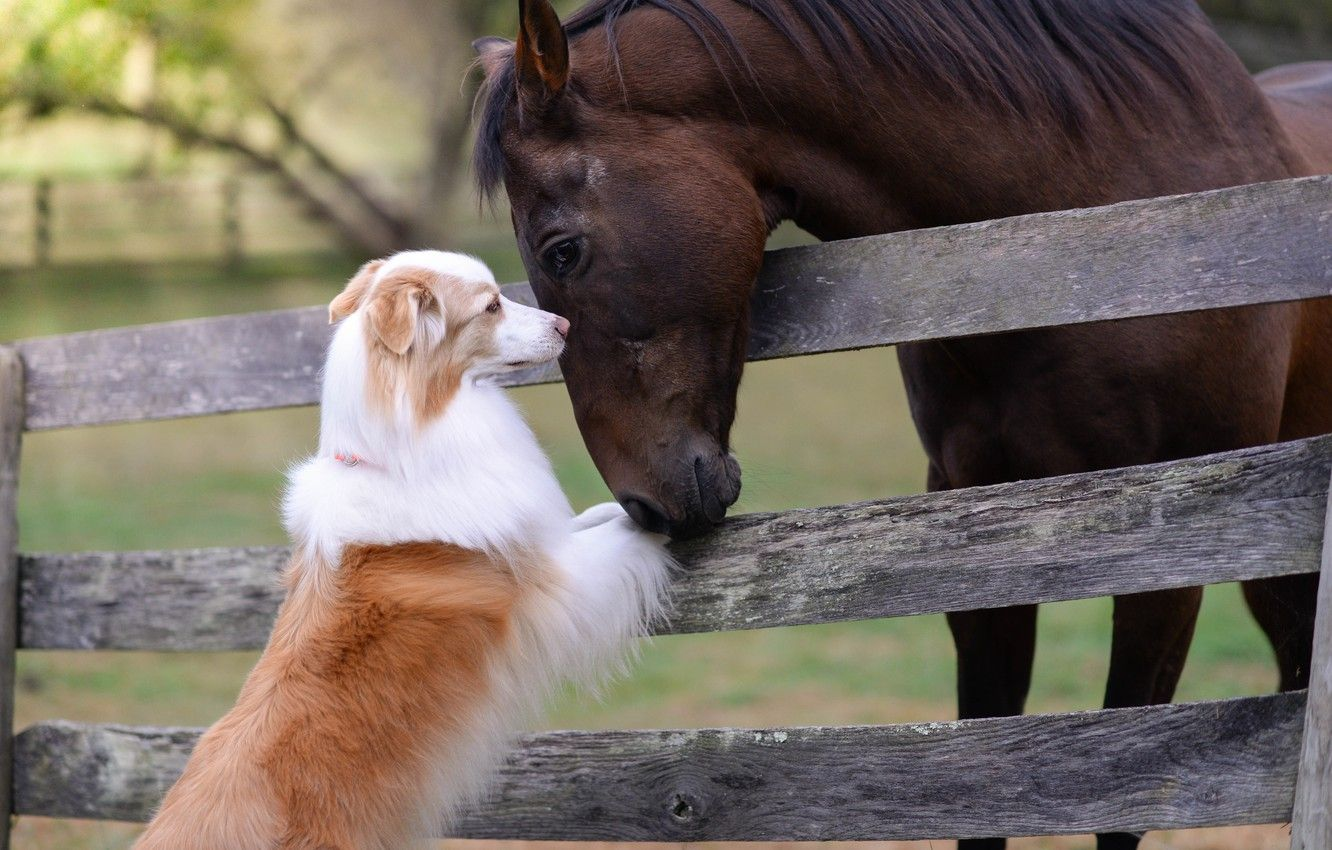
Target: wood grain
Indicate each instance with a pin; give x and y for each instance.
(1247, 514)
(1162, 767)
(1247, 245)
(11, 433)
(1312, 826)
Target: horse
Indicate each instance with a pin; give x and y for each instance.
(648, 148)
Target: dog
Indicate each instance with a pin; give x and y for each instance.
(440, 585)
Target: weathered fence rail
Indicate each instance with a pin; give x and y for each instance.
(1165, 255)
(1248, 514)
(1165, 767)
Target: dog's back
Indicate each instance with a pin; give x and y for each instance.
(344, 726)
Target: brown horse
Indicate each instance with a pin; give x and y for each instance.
(649, 147)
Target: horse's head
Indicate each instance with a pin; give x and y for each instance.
(642, 228)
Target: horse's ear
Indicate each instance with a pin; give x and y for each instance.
(492, 52)
(541, 54)
(350, 297)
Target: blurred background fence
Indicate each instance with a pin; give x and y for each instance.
(48, 221)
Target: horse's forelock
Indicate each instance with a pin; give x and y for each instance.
(493, 100)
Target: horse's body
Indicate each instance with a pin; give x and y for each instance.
(1301, 96)
(646, 168)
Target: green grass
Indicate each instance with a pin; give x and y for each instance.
(216, 481)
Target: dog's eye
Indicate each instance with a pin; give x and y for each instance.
(561, 258)
(493, 306)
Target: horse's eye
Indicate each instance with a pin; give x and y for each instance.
(561, 258)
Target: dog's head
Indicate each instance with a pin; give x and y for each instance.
(431, 320)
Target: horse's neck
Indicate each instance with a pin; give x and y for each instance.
(937, 165)
(884, 152)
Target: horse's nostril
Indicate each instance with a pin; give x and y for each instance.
(561, 326)
(646, 514)
(718, 485)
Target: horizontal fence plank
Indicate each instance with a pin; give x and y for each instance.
(1252, 244)
(1246, 514)
(1161, 767)
(251, 361)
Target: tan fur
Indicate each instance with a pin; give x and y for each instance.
(337, 727)
(350, 298)
(393, 313)
(396, 304)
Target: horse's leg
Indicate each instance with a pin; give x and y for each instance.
(1284, 606)
(1172, 664)
(995, 649)
(1151, 637)
(1284, 609)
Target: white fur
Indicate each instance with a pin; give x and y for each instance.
(477, 477)
(524, 338)
(612, 584)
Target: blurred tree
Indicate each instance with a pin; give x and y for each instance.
(360, 106)
(423, 48)
(241, 76)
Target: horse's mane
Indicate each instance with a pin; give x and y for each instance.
(1062, 58)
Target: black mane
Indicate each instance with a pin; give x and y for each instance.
(1033, 57)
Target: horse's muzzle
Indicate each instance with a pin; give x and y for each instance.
(701, 504)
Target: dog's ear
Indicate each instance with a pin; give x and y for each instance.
(350, 297)
(398, 305)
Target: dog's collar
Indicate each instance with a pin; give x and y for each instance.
(348, 459)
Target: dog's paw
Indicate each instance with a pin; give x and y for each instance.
(598, 515)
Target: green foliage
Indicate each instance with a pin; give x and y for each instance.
(72, 53)
(227, 76)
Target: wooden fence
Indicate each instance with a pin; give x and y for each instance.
(225, 219)
(1246, 514)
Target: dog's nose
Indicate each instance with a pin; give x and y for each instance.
(561, 326)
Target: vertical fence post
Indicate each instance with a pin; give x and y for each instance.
(1311, 828)
(41, 221)
(11, 432)
(232, 247)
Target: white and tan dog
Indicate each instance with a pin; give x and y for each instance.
(439, 587)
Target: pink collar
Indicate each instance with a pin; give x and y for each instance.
(349, 459)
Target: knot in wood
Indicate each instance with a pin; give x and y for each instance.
(683, 807)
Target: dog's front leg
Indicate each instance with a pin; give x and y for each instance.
(597, 514)
(617, 577)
